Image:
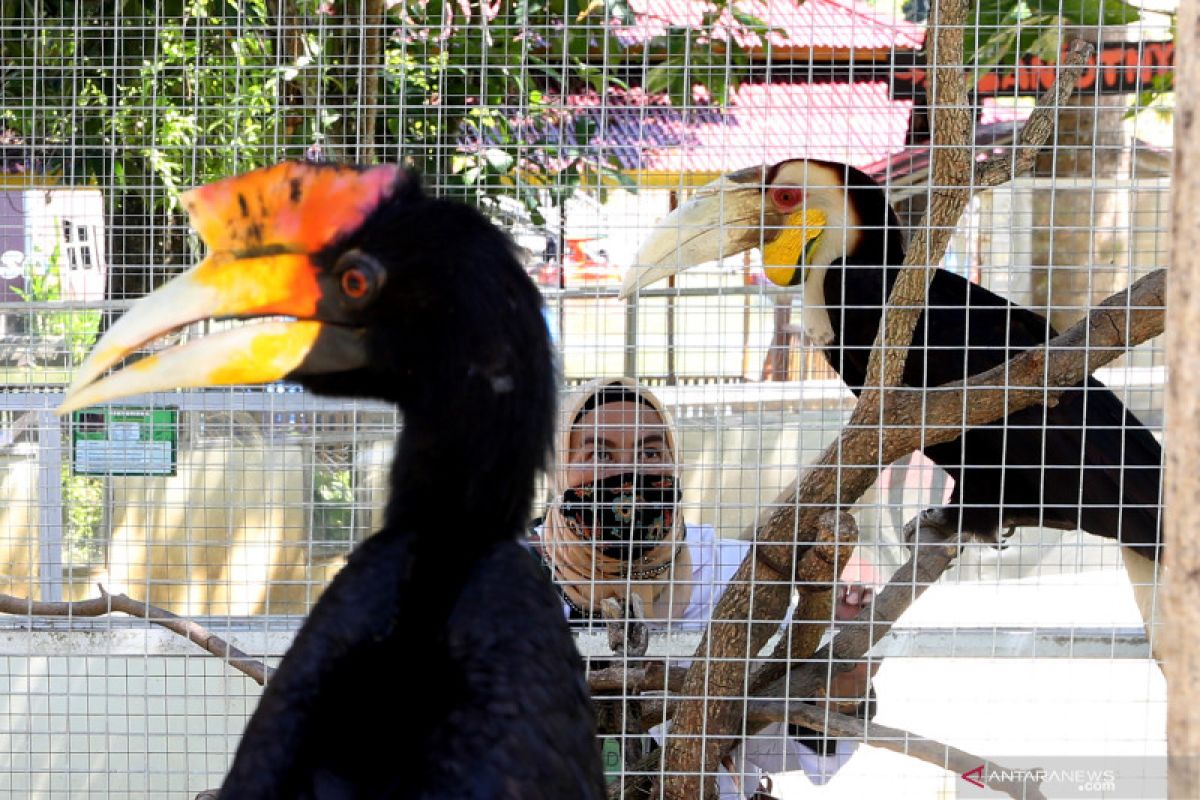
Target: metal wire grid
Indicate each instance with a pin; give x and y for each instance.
(133, 102)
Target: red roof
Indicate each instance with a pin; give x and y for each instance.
(858, 123)
(833, 24)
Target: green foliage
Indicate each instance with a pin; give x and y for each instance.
(75, 328)
(143, 98)
(1156, 98)
(84, 539)
(333, 505)
(1001, 31)
(146, 98)
(691, 57)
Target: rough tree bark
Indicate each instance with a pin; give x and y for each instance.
(1121, 322)
(374, 15)
(750, 610)
(1180, 647)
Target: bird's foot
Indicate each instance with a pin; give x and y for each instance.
(933, 526)
(816, 325)
(818, 337)
(628, 634)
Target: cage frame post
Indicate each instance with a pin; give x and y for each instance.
(1182, 479)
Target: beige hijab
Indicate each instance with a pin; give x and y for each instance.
(587, 576)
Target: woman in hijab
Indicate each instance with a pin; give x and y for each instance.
(615, 529)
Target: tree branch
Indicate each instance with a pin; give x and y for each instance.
(932, 555)
(654, 677)
(374, 16)
(1116, 325)
(764, 712)
(761, 713)
(752, 607)
(107, 603)
(820, 566)
(757, 597)
(1037, 129)
(950, 175)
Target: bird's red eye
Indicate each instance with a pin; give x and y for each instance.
(787, 198)
(360, 277)
(355, 284)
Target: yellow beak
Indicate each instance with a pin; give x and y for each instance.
(264, 228)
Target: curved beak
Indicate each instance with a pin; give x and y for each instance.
(261, 267)
(724, 218)
(218, 287)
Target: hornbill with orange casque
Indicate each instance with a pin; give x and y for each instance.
(437, 663)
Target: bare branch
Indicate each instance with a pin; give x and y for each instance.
(1120, 322)
(628, 634)
(107, 603)
(750, 610)
(950, 176)
(654, 677)
(933, 552)
(817, 573)
(764, 712)
(761, 713)
(1037, 129)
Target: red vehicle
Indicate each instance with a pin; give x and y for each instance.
(585, 264)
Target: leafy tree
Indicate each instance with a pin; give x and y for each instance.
(1001, 31)
(145, 98)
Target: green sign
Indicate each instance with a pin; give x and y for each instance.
(124, 440)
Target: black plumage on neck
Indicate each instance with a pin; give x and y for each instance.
(464, 352)
(882, 243)
(856, 286)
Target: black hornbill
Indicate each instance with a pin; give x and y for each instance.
(438, 662)
(1085, 462)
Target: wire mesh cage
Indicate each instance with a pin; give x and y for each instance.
(768, 147)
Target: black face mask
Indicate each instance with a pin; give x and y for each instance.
(629, 513)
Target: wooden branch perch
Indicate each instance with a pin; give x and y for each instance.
(1117, 324)
(1039, 126)
(751, 608)
(107, 603)
(950, 175)
(932, 555)
(763, 712)
(654, 677)
(817, 573)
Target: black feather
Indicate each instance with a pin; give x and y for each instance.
(438, 662)
(1086, 462)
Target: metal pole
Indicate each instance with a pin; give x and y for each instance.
(50, 506)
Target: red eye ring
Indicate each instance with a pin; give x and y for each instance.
(360, 277)
(787, 198)
(355, 283)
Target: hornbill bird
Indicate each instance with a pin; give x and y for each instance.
(1085, 462)
(437, 663)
